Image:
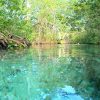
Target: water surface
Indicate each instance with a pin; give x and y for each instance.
(62, 72)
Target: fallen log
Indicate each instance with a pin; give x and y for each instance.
(12, 40)
(19, 40)
(17, 43)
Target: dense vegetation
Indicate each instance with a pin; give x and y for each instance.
(52, 21)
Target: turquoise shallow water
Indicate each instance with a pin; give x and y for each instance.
(69, 72)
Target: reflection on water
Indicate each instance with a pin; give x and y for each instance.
(59, 72)
(67, 93)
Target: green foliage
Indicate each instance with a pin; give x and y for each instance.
(79, 37)
(91, 9)
(12, 18)
(36, 19)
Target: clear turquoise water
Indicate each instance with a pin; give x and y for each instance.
(69, 72)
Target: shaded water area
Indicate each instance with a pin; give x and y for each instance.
(70, 72)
